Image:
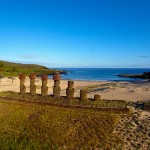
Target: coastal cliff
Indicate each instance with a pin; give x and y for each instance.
(13, 69)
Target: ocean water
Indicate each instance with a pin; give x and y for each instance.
(101, 74)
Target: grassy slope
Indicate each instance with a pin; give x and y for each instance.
(40, 127)
(13, 69)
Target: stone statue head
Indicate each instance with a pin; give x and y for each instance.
(70, 84)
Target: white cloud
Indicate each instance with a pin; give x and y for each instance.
(144, 56)
(28, 56)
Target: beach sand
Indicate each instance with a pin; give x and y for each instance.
(129, 91)
(134, 129)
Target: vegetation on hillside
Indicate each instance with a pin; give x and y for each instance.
(13, 69)
(32, 127)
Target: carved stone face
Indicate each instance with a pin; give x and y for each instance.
(32, 81)
(56, 83)
(70, 84)
(22, 81)
(44, 82)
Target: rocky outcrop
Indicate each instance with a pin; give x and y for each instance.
(62, 72)
(145, 75)
(54, 72)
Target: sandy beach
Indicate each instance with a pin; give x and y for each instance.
(129, 91)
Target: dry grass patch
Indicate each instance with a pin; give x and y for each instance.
(44, 127)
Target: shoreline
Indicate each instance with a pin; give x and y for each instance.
(107, 80)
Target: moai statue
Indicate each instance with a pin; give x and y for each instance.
(22, 78)
(44, 88)
(97, 97)
(70, 90)
(32, 77)
(83, 94)
(56, 88)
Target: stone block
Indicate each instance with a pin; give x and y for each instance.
(44, 88)
(32, 87)
(70, 90)
(22, 86)
(56, 88)
(83, 94)
(56, 91)
(97, 97)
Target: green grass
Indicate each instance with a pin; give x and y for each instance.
(14, 69)
(32, 127)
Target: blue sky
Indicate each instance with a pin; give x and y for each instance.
(76, 33)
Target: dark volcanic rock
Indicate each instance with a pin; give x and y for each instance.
(145, 75)
(147, 105)
(60, 72)
(63, 72)
(131, 75)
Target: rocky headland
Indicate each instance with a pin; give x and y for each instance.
(145, 75)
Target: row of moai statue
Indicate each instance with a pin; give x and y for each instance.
(56, 88)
